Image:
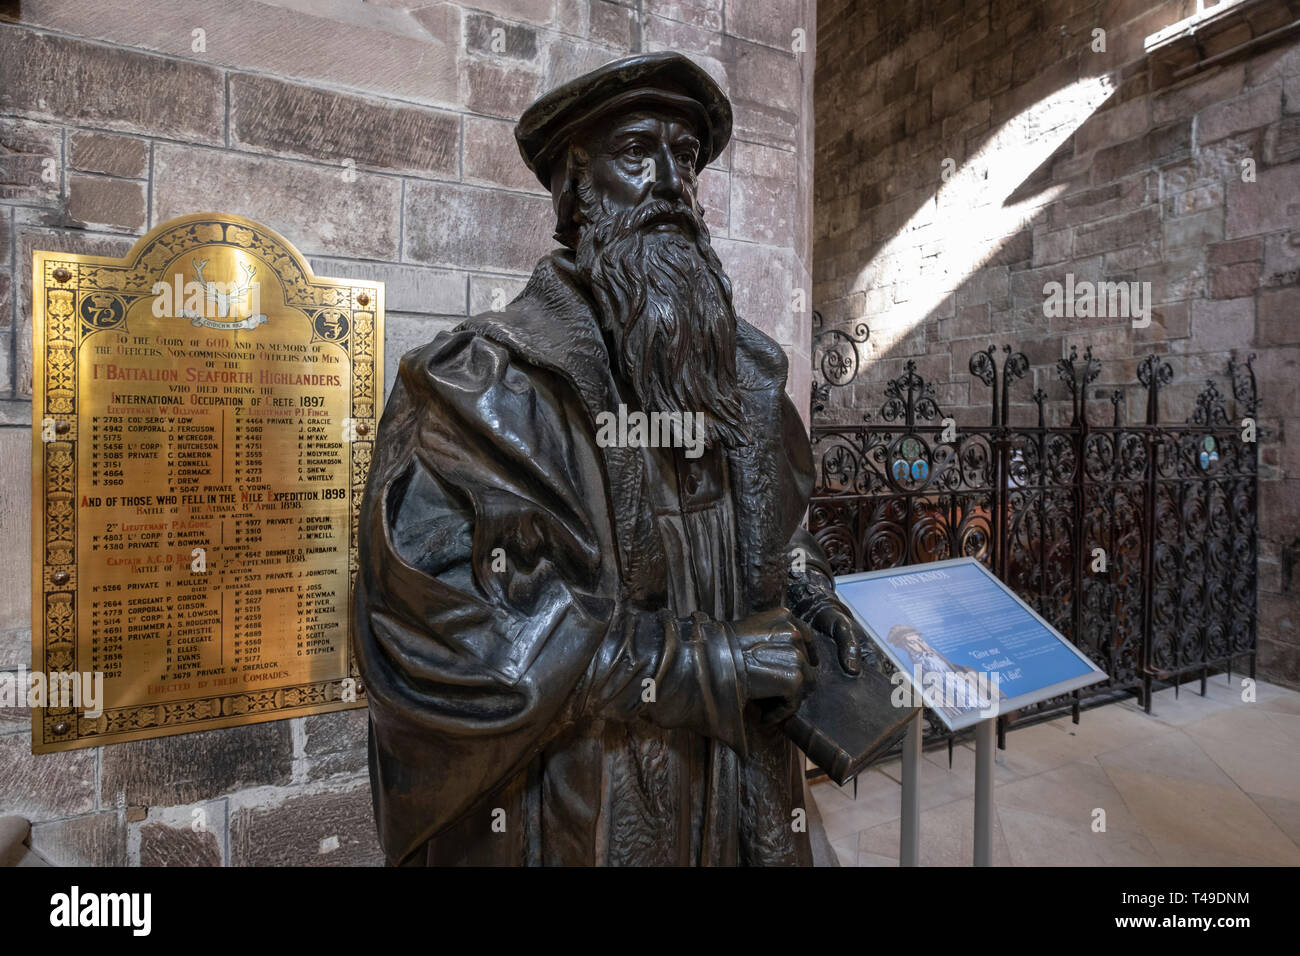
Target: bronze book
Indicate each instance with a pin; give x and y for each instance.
(846, 723)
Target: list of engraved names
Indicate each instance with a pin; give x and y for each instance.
(215, 500)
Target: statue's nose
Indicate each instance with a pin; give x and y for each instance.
(668, 181)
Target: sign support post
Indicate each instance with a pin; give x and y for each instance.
(984, 742)
(909, 847)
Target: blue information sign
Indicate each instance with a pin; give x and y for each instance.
(965, 645)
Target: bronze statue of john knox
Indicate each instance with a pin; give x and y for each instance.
(579, 650)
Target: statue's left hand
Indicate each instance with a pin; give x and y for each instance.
(835, 622)
(811, 596)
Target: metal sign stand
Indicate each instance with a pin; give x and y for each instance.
(984, 738)
(909, 844)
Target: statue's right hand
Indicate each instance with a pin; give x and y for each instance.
(778, 655)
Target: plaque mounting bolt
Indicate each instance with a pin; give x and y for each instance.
(61, 274)
(363, 300)
(60, 577)
(363, 428)
(62, 427)
(61, 727)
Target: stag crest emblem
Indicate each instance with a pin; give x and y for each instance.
(223, 300)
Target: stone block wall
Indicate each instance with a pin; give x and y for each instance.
(971, 151)
(377, 137)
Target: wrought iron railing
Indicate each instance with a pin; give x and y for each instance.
(1169, 511)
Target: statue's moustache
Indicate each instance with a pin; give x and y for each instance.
(661, 212)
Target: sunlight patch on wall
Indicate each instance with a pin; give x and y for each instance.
(973, 213)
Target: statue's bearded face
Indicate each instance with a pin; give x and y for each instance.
(644, 248)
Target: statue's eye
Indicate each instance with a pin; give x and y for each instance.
(635, 152)
(686, 158)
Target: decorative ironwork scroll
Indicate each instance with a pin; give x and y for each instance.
(835, 354)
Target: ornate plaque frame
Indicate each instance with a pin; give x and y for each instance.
(64, 317)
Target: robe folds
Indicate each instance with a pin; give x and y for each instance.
(521, 586)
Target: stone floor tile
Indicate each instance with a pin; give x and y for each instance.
(1287, 722)
(1181, 854)
(1108, 728)
(939, 785)
(1186, 706)
(1069, 794)
(831, 797)
(1258, 749)
(846, 850)
(963, 762)
(1280, 704)
(1038, 839)
(947, 837)
(1202, 817)
(878, 801)
(1285, 813)
(1042, 747)
(1172, 754)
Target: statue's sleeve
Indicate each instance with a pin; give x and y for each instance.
(486, 581)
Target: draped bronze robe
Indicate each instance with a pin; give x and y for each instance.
(515, 585)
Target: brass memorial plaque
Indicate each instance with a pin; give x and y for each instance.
(203, 416)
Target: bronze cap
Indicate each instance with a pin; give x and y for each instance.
(662, 79)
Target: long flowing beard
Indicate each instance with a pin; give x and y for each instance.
(666, 303)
